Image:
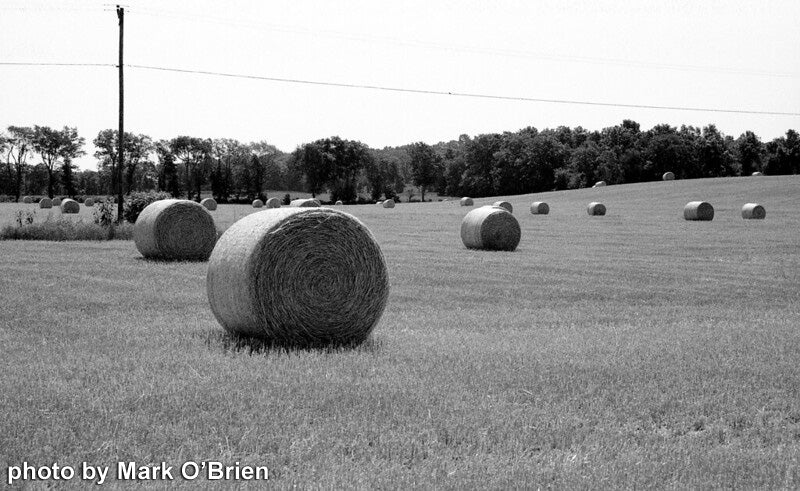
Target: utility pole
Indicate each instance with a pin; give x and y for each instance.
(121, 136)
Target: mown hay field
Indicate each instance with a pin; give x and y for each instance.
(630, 350)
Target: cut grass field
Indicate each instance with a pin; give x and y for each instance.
(631, 350)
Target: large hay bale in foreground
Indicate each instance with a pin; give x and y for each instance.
(304, 203)
(490, 227)
(45, 203)
(298, 277)
(56, 201)
(596, 209)
(668, 176)
(27, 200)
(698, 210)
(753, 211)
(757, 174)
(69, 205)
(505, 205)
(257, 203)
(175, 229)
(540, 208)
(88, 202)
(389, 203)
(209, 203)
(599, 184)
(467, 201)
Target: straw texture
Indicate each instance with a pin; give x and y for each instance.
(45, 203)
(27, 200)
(298, 277)
(505, 205)
(491, 228)
(273, 203)
(257, 203)
(56, 201)
(88, 202)
(209, 203)
(596, 209)
(175, 229)
(698, 210)
(540, 208)
(70, 206)
(668, 176)
(389, 203)
(467, 201)
(304, 203)
(753, 211)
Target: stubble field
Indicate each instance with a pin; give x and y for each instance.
(631, 350)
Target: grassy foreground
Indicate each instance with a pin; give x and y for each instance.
(631, 350)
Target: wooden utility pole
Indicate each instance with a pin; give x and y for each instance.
(121, 136)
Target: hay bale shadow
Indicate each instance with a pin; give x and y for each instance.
(236, 343)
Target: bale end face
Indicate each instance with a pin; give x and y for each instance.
(173, 229)
(56, 201)
(45, 203)
(490, 228)
(753, 211)
(339, 203)
(505, 205)
(698, 211)
(668, 176)
(273, 203)
(70, 206)
(209, 203)
(88, 202)
(599, 184)
(389, 203)
(467, 201)
(540, 208)
(757, 174)
(257, 203)
(27, 200)
(596, 209)
(304, 203)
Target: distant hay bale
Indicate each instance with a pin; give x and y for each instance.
(753, 211)
(599, 184)
(298, 277)
(209, 203)
(304, 203)
(175, 229)
(505, 205)
(490, 227)
(70, 206)
(757, 174)
(389, 203)
(668, 176)
(45, 203)
(274, 203)
(88, 202)
(596, 209)
(339, 203)
(27, 200)
(540, 208)
(698, 210)
(257, 203)
(467, 201)
(56, 201)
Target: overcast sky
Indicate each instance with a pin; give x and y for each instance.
(714, 54)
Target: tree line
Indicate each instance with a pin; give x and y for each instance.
(38, 160)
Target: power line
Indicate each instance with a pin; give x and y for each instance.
(460, 94)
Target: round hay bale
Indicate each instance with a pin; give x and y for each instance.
(698, 210)
(209, 203)
(467, 201)
(505, 205)
(303, 203)
(275, 203)
(298, 277)
(45, 203)
(540, 208)
(753, 211)
(175, 229)
(596, 209)
(668, 176)
(257, 203)
(56, 201)
(490, 227)
(27, 200)
(757, 174)
(88, 202)
(389, 203)
(70, 206)
(339, 203)
(599, 184)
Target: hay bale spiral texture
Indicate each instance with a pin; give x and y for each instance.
(88, 202)
(56, 201)
(540, 208)
(492, 228)
(596, 209)
(698, 210)
(753, 211)
(668, 176)
(27, 200)
(257, 203)
(505, 205)
(69, 205)
(45, 203)
(304, 203)
(298, 277)
(467, 201)
(209, 203)
(389, 203)
(175, 229)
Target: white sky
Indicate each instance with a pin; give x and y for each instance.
(742, 55)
